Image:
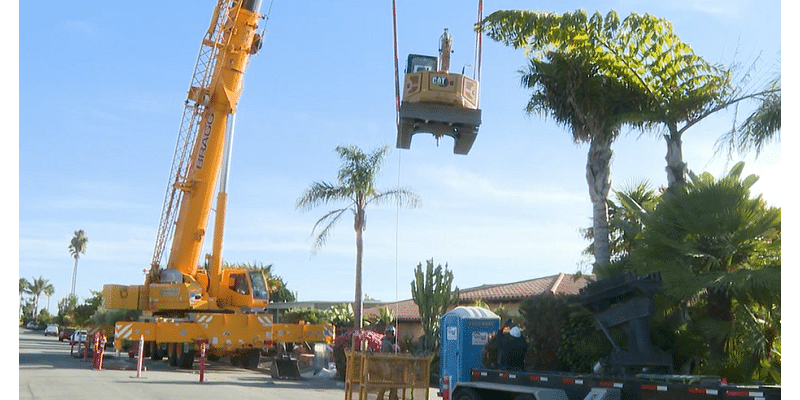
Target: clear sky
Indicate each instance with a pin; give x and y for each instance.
(101, 92)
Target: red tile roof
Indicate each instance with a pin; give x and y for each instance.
(406, 310)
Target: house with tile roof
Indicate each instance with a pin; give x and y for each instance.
(506, 295)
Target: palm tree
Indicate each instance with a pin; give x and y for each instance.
(77, 246)
(355, 187)
(37, 288)
(643, 52)
(718, 251)
(593, 107)
(48, 291)
(24, 288)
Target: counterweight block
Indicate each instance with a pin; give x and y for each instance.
(439, 120)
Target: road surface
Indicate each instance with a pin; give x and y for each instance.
(47, 371)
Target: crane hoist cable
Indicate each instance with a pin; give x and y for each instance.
(396, 67)
(478, 48)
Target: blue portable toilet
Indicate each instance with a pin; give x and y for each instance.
(464, 333)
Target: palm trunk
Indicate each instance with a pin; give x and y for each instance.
(358, 306)
(598, 176)
(676, 168)
(74, 274)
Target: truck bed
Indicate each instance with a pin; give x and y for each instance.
(641, 387)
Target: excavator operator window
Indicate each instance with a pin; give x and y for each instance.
(239, 284)
(417, 63)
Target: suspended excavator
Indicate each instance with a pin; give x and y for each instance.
(437, 101)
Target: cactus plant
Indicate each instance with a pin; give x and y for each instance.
(433, 295)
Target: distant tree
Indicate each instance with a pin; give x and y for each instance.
(66, 310)
(308, 315)
(44, 318)
(433, 294)
(77, 246)
(340, 315)
(48, 291)
(36, 289)
(357, 188)
(84, 312)
(24, 287)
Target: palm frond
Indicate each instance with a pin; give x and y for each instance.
(322, 193)
(332, 217)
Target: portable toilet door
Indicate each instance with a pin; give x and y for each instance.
(464, 333)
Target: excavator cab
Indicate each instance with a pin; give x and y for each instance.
(417, 63)
(438, 102)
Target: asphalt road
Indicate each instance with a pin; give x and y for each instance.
(47, 371)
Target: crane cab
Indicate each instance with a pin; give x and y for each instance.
(438, 102)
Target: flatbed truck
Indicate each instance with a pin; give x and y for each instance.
(639, 372)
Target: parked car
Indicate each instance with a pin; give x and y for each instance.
(65, 334)
(79, 336)
(51, 330)
(31, 325)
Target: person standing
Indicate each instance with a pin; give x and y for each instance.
(511, 349)
(389, 345)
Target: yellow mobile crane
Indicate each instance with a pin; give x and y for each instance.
(181, 303)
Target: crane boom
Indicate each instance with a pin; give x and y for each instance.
(213, 95)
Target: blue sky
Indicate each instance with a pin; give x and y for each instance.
(101, 91)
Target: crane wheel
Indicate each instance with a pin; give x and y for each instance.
(156, 354)
(172, 351)
(185, 355)
(251, 359)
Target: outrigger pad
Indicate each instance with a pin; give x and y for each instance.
(285, 367)
(439, 120)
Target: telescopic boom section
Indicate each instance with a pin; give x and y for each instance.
(238, 41)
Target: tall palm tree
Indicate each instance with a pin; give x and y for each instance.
(718, 250)
(77, 246)
(37, 288)
(593, 107)
(356, 188)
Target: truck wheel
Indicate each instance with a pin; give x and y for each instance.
(185, 355)
(172, 350)
(155, 352)
(466, 394)
(251, 359)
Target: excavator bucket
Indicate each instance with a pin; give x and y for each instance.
(439, 120)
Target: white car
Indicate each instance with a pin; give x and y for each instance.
(51, 330)
(78, 336)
